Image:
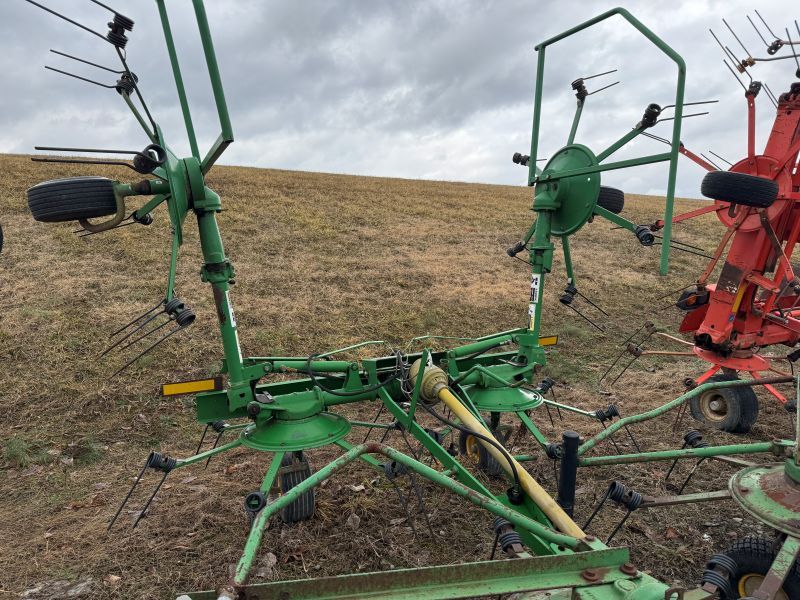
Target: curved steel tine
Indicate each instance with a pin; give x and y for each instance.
(130, 491)
(87, 62)
(81, 78)
(736, 37)
(130, 333)
(146, 350)
(141, 316)
(68, 20)
(147, 334)
(757, 31)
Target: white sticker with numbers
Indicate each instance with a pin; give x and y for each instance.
(535, 282)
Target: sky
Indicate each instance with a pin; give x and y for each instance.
(421, 89)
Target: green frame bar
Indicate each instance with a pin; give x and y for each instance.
(226, 136)
(484, 579)
(676, 126)
(645, 416)
(176, 72)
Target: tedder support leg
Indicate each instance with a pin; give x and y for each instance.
(272, 472)
(569, 471)
(487, 502)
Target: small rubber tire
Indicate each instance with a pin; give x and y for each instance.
(739, 188)
(754, 556)
(612, 199)
(304, 507)
(72, 199)
(735, 411)
(471, 447)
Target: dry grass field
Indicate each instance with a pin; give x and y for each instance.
(322, 261)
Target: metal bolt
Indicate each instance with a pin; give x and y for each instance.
(629, 569)
(590, 575)
(590, 538)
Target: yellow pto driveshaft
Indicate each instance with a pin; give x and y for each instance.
(434, 387)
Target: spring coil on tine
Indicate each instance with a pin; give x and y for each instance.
(161, 462)
(126, 84)
(721, 582)
(607, 414)
(393, 469)
(157, 461)
(553, 451)
(508, 539)
(620, 493)
(504, 535)
(116, 30)
(498, 523)
(623, 495)
(694, 439)
(724, 562)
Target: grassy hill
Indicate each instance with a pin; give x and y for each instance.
(322, 261)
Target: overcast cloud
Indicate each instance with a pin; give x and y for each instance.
(419, 89)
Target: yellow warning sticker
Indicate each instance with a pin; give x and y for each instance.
(550, 340)
(191, 387)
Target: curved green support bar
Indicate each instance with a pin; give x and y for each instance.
(671, 156)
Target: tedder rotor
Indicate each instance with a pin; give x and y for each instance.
(286, 407)
(747, 297)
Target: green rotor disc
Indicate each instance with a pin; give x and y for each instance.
(277, 435)
(502, 399)
(770, 495)
(572, 199)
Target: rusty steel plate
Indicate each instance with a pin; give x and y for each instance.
(770, 495)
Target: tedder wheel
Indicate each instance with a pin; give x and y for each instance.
(294, 470)
(739, 188)
(470, 446)
(753, 557)
(611, 199)
(72, 199)
(734, 409)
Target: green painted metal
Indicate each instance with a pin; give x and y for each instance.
(272, 472)
(767, 494)
(571, 199)
(226, 135)
(203, 456)
(503, 399)
(568, 257)
(297, 415)
(531, 427)
(569, 408)
(623, 459)
(672, 156)
(176, 71)
(296, 434)
(783, 565)
(645, 416)
(575, 121)
(486, 501)
(487, 578)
